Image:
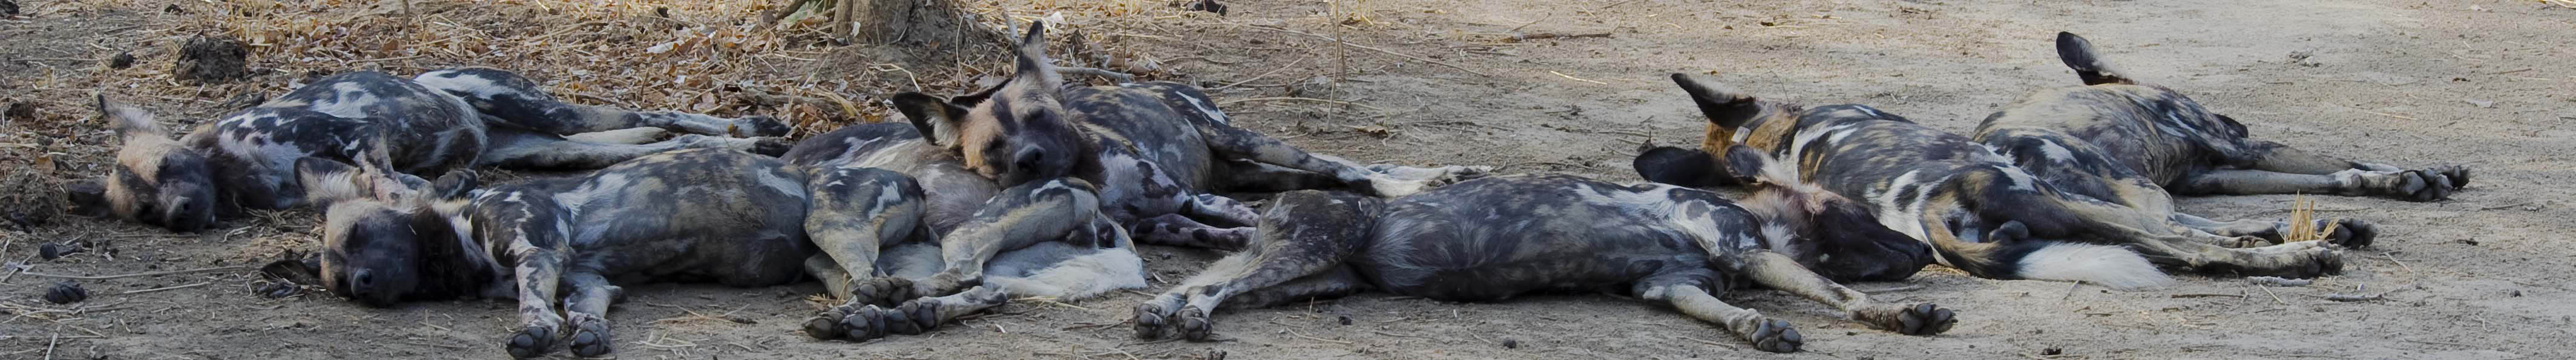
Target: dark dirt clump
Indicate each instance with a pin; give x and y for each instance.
(213, 60)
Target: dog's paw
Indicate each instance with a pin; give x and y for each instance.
(1774, 335)
(535, 339)
(1195, 324)
(1150, 321)
(590, 338)
(2350, 233)
(883, 290)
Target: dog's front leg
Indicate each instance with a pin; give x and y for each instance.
(586, 310)
(1033, 212)
(1779, 271)
(539, 271)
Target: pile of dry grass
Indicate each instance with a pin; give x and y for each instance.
(2303, 221)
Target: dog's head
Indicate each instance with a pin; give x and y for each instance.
(1829, 234)
(155, 181)
(1012, 133)
(1737, 118)
(2089, 66)
(377, 227)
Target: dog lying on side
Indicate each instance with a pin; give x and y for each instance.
(1984, 214)
(701, 215)
(1158, 152)
(1495, 238)
(2143, 140)
(437, 122)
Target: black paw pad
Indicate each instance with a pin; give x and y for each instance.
(2353, 233)
(826, 326)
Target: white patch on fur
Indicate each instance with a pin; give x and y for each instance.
(1210, 110)
(1798, 145)
(477, 85)
(1902, 215)
(1079, 277)
(2105, 265)
(2053, 152)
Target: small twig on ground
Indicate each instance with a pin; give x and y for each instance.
(1892, 289)
(2515, 205)
(2389, 115)
(2187, 296)
(1383, 333)
(2278, 281)
(1294, 332)
(1284, 98)
(1728, 347)
(1559, 74)
(1291, 64)
(2276, 297)
(155, 273)
(2392, 257)
(2070, 290)
(163, 289)
(1528, 37)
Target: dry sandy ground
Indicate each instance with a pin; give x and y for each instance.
(2482, 276)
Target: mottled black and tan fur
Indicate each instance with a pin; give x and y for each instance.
(2118, 140)
(428, 125)
(1158, 151)
(701, 215)
(1496, 238)
(1984, 214)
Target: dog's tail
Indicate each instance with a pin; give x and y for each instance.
(2009, 253)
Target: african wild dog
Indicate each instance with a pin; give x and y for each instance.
(1495, 238)
(1982, 213)
(2144, 140)
(440, 121)
(701, 215)
(1157, 150)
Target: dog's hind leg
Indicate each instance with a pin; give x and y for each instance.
(2280, 169)
(586, 310)
(919, 315)
(519, 101)
(1779, 271)
(620, 136)
(1232, 142)
(520, 149)
(1306, 233)
(2353, 233)
(1689, 292)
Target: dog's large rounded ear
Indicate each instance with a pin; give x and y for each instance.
(128, 120)
(87, 197)
(1681, 167)
(2079, 55)
(1033, 73)
(1724, 107)
(938, 121)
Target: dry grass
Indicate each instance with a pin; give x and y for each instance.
(2303, 221)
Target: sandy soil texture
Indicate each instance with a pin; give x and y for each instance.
(2484, 83)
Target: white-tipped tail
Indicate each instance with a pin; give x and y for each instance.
(1079, 277)
(2105, 265)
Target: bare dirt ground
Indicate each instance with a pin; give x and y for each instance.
(2482, 83)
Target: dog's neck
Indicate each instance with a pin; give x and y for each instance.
(458, 264)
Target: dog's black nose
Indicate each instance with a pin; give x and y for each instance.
(360, 282)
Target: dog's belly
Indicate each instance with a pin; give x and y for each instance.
(1491, 239)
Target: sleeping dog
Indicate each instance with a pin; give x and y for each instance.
(1983, 213)
(439, 121)
(2142, 141)
(1158, 151)
(1495, 238)
(700, 215)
